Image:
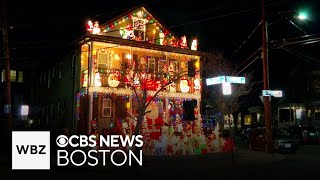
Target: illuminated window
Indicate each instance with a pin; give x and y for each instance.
(20, 76)
(3, 76)
(13, 76)
(247, 119)
(106, 108)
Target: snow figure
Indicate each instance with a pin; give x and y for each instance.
(216, 140)
(161, 38)
(184, 85)
(183, 42)
(97, 79)
(85, 79)
(155, 122)
(96, 28)
(179, 127)
(194, 45)
(196, 82)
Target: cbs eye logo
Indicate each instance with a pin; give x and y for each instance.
(62, 141)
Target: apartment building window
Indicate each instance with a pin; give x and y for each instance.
(3, 76)
(106, 108)
(20, 76)
(13, 75)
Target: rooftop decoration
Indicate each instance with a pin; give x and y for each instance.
(139, 25)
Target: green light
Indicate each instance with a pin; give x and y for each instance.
(302, 15)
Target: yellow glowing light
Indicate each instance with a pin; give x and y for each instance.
(154, 31)
(128, 105)
(81, 61)
(157, 27)
(123, 20)
(140, 14)
(197, 64)
(129, 56)
(94, 52)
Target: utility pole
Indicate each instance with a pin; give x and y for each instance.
(266, 103)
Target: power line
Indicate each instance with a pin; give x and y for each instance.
(249, 57)
(245, 41)
(214, 17)
(302, 55)
(248, 65)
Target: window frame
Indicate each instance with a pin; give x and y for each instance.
(104, 106)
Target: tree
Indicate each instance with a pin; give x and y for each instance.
(217, 65)
(143, 96)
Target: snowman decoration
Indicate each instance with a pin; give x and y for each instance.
(194, 45)
(96, 28)
(97, 79)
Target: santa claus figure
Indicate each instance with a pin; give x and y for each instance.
(90, 26)
(155, 122)
(183, 42)
(196, 112)
(128, 80)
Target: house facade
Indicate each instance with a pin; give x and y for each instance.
(133, 52)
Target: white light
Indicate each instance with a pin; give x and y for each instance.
(129, 56)
(24, 110)
(226, 88)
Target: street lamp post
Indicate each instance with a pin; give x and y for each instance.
(266, 103)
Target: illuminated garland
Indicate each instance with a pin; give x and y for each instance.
(128, 92)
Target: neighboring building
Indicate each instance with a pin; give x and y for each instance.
(132, 49)
(21, 94)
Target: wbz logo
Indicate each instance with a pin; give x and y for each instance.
(30, 150)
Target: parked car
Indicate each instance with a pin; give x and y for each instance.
(282, 140)
(310, 135)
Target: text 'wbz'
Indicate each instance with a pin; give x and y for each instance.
(79, 157)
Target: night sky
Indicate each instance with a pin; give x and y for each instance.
(40, 29)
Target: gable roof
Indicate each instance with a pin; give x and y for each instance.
(131, 11)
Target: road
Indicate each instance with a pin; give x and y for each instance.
(304, 163)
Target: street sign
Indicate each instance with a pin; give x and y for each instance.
(226, 88)
(215, 80)
(261, 98)
(271, 93)
(234, 79)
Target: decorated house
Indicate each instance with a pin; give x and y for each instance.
(118, 62)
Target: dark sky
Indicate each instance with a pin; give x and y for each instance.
(40, 28)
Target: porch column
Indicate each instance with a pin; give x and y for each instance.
(91, 84)
(131, 121)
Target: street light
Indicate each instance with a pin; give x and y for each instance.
(267, 106)
(303, 15)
